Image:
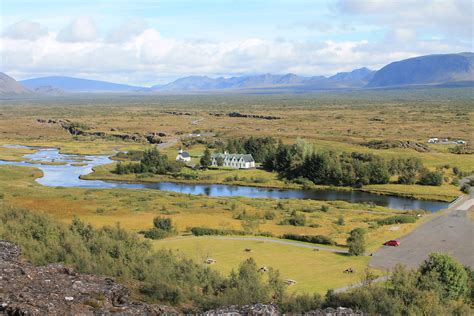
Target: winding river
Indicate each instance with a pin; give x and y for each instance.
(66, 170)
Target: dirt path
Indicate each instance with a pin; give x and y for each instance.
(359, 284)
(167, 144)
(276, 241)
(196, 122)
(451, 233)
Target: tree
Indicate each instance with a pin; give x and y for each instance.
(206, 159)
(431, 178)
(356, 242)
(220, 161)
(450, 274)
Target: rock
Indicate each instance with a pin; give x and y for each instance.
(255, 309)
(272, 310)
(58, 290)
(387, 144)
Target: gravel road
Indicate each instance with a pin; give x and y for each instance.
(451, 233)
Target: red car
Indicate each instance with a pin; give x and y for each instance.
(394, 243)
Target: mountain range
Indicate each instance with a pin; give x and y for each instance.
(423, 70)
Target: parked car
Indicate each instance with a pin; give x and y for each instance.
(394, 243)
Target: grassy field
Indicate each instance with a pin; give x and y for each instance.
(329, 122)
(314, 271)
(342, 122)
(135, 209)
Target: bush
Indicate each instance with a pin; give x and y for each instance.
(205, 231)
(155, 233)
(301, 303)
(269, 215)
(295, 219)
(449, 273)
(431, 178)
(314, 239)
(340, 221)
(466, 188)
(163, 223)
(356, 242)
(324, 208)
(397, 219)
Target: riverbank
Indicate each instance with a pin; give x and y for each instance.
(263, 179)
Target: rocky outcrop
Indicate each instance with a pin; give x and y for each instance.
(237, 114)
(235, 310)
(387, 144)
(56, 289)
(272, 310)
(80, 129)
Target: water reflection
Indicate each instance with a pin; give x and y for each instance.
(67, 174)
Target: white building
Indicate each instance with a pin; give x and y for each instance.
(236, 161)
(183, 156)
(433, 140)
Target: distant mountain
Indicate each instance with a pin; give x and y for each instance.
(354, 79)
(49, 90)
(364, 74)
(430, 69)
(447, 70)
(9, 86)
(70, 84)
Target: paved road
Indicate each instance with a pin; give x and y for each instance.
(451, 233)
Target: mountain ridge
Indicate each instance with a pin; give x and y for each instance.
(436, 69)
(73, 84)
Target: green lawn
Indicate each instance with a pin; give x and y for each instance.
(314, 271)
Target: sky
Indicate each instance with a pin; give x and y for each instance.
(146, 42)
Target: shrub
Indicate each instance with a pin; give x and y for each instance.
(431, 178)
(340, 221)
(269, 215)
(397, 219)
(295, 219)
(466, 188)
(324, 208)
(314, 239)
(163, 223)
(155, 233)
(205, 231)
(449, 273)
(356, 242)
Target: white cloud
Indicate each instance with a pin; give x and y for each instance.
(132, 54)
(126, 31)
(25, 30)
(450, 18)
(82, 29)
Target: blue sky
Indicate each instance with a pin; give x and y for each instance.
(149, 42)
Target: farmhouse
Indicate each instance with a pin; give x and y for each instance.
(183, 156)
(237, 161)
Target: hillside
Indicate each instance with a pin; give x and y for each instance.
(354, 79)
(9, 86)
(430, 69)
(70, 84)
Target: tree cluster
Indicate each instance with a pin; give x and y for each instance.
(259, 147)
(346, 169)
(152, 161)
